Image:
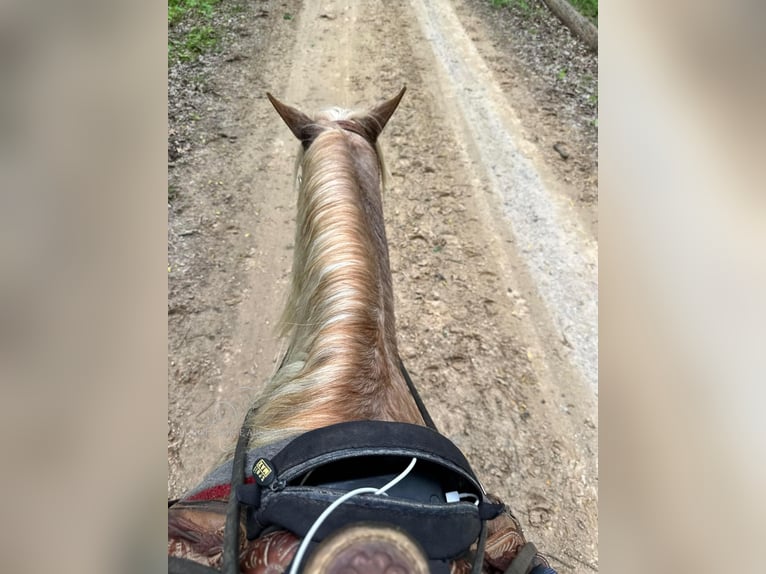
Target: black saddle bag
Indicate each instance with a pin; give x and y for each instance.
(294, 487)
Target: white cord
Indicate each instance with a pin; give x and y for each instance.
(330, 509)
(463, 495)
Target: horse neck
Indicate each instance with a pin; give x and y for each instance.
(341, 302)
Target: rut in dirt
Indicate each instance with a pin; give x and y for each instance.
(495, 276)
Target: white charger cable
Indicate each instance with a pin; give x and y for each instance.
(455, 496)
(330, 509)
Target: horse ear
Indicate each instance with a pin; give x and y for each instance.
(295, 119)
(377, 118)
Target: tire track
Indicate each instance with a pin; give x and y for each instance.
(562, 260)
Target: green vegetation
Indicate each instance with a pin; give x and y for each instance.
(588, 8)
(199, 37)
(520, 3)
(177, 9)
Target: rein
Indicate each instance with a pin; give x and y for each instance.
(230, 560)
(418, 401)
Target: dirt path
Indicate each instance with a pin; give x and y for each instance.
(493, 251)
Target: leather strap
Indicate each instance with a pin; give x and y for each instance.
(522, 563)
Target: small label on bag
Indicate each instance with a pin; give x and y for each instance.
(263, 472)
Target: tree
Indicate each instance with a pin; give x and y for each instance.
(576, 22)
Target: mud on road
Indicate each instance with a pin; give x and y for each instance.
(492, 226)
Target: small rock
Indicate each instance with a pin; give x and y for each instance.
(562, 151)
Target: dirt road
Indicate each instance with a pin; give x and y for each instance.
(491, 219)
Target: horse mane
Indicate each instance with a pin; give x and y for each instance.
(342, 361)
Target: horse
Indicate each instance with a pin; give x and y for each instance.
(341, 368)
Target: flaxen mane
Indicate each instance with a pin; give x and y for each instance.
(341, 361)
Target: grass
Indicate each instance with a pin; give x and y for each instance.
(588, 8)
(520, 3)
(199, 37)
(178, 9)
